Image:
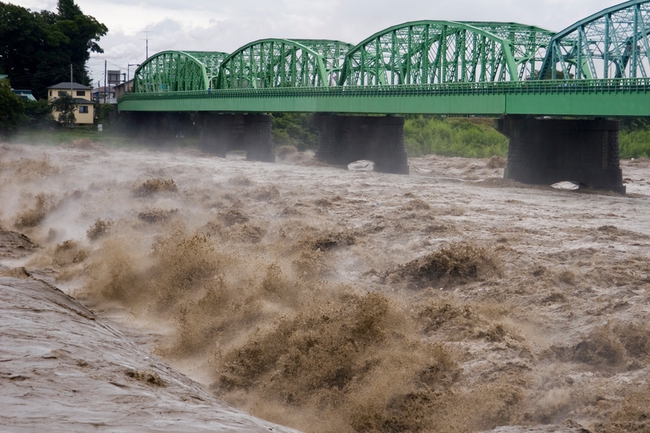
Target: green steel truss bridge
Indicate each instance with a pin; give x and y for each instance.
(597, 67)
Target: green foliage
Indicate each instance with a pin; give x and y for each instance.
(66, 107)
(631, 124)
(467, 137)
(38, 113)
(634, 137)
(105, 111)
(37, 48)
(292, 129)
(635, 143)
(11, 108)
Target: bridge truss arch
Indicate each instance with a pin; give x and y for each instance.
(529, 44)
(436, 52)
(270, 63)
(333, 54)
(613, 43)
(171, 71)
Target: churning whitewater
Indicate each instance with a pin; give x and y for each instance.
(320, 298)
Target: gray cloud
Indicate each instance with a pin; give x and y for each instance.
(217, 25)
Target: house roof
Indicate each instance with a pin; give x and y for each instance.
(68, 85)
(25, 94)
(80, 101)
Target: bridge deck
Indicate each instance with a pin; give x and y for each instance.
(602, 97)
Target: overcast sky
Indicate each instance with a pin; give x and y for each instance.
(219, 25)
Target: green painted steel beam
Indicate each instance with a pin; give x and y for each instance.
(269, 63)
(171, 71)
(614, 97)
(332, 52)
(613, 43)
(211, 59)
(529, 44)
(436, 52)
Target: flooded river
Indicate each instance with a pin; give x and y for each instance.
(325, 299)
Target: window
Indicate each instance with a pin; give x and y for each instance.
(83, 108)
(81, 93)
(62, 93)
(50, 93)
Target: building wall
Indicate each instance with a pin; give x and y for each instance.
(123, 88)
(87, 118)
(52, 94)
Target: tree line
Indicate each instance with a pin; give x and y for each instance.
(37, 48)
(36, 51)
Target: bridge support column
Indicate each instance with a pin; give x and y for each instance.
(215, 134)
(345, 139)
(156, 127)
(546, 151)
(257, 138)
(221, 133)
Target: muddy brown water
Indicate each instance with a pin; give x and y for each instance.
(328, 299)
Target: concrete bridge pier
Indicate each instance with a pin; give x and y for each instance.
(546, 151)
(345, 139)
(257, 138)
(222, 133)
(158, 126)
(215, 134)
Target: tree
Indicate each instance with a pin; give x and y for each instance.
(105, 111)
(83, 32)
(37, 48)
(66, 108)
(293, 129)
(38, 113)
(11, 108)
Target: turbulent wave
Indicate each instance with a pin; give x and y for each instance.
(333, 300)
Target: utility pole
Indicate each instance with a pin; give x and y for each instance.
(146, 39)
(105, 78)
(71, 91)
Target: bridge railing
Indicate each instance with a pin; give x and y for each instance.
(613, 85)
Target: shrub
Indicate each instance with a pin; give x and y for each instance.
(467, 137)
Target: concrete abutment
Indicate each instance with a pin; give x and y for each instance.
(546, 151)
(345, 139)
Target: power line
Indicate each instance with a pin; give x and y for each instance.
(101, 63)
(41, 74)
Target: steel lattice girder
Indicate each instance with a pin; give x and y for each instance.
(211, 59)
(435, 52)
(333, 54)
(613, 43)
(529, 44)
(173, 71)
(281, 63)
